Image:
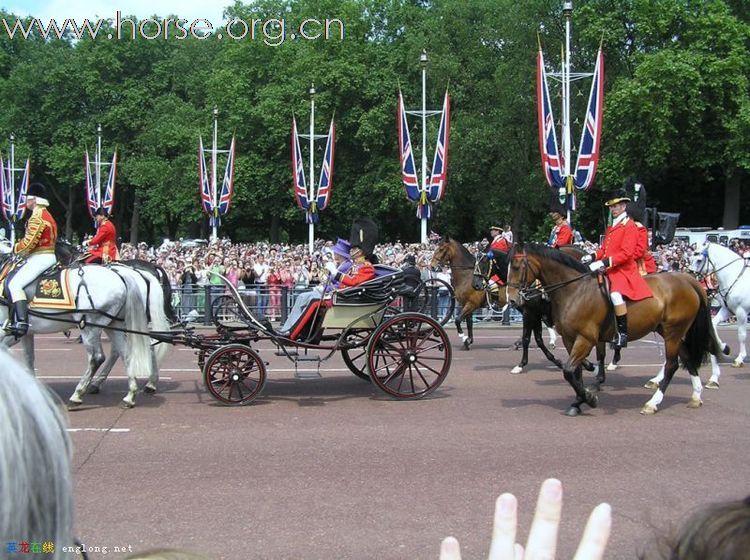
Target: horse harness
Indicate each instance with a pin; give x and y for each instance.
(708, 262)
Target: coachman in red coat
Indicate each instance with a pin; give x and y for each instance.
(103, 246)
(617, 258)
(561, 233)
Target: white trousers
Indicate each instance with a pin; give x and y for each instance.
(30, 271)
(616, 298)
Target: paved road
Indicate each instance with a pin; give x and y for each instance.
(331, 469)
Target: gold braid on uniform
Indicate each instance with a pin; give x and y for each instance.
(34, 229)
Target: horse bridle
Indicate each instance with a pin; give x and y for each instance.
(526, 290)
(708, 263)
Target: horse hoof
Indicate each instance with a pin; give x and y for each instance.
(611, 367)
(712, 385)
(726, 350)
(93, 390)
(651, 385)
(737, 364)
(572, 411)
(467, 345)
(592, 400)
(126, 404)
(517, 369)
(72, 405)
(149, 389)
(552, 346)
(648, 410)
(694, 403)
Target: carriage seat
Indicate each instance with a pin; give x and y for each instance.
(387, 285)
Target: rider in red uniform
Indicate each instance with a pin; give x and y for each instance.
(617, 257)
(500, 241)
(363, 238)
(644, 258)
(561, 234)
(103, 246)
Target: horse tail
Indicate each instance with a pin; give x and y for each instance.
(139, 347)
(159, 319)
(701, 338)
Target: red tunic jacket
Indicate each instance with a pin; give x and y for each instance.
(618, 251)
(500, 244)
(361, 271)
(104, 244)
(643, 256)
(562, 235)
(41, 233)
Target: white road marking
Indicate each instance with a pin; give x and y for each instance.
(110, 430)
(18, 349)
(108, 377)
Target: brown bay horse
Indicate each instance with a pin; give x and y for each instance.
(470, 292)
(678, 311)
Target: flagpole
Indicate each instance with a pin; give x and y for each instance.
(568, 13)
(423, 61)
(12, 186)
(311, 187)
(214, 191)
(98, 166)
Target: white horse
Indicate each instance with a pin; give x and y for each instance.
(733, 293)
(104, 300)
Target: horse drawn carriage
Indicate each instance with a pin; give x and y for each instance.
(407, 355)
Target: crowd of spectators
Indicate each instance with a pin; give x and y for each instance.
(266, 268)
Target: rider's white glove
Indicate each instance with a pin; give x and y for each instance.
(596, 265)
(586, 259)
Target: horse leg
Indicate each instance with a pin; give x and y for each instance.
(106, 368)
(461, 316)
(615, 360)
(153, 378)
(552, 337)
(695, 398)
(741, 315)
(119, 345)
(525, 339)
(653, 383)
(470, 326)
(601, 374)
(671, 350)
(92, 340)
(27, 343)
(572, 373)
(540, 343)
(722, 315)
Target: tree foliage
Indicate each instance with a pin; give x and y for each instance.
(677, 111)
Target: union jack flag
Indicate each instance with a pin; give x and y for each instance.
(6, 193)
(408, 169)
(108, 201)
(588, 152)
(207, 199)
(21, 202)
(92, 197)
(551, 160)
(439, 175)
(298, 170)
(326, 171)
(227, 185)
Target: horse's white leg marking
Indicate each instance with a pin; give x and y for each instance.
(741, 315)
(552, 337)
(695, 399)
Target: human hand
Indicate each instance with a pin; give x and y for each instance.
(586, 259)
(596, 265)
(542, 541)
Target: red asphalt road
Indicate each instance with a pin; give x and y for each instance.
(332, 469)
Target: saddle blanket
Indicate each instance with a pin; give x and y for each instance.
(52, 289)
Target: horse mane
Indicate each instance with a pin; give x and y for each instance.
(463, 251)
(555, 255)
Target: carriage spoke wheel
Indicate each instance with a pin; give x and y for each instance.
(234, 374)
(409, 356)
(436, 298)
(226, 312)
(356, 358)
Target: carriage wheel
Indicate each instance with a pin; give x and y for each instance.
(234, 374)
(226, 312)
(409, 356)
(356, 358)
(436, 298)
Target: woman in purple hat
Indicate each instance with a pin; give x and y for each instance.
(343, 263)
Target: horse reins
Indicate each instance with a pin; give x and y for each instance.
(527, 293)
(710, 263)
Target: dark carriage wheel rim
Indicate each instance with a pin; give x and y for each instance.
(409, 356)
(356, 360)
(234, 374)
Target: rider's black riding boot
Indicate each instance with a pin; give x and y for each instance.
(20, 324)
(621, 337)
